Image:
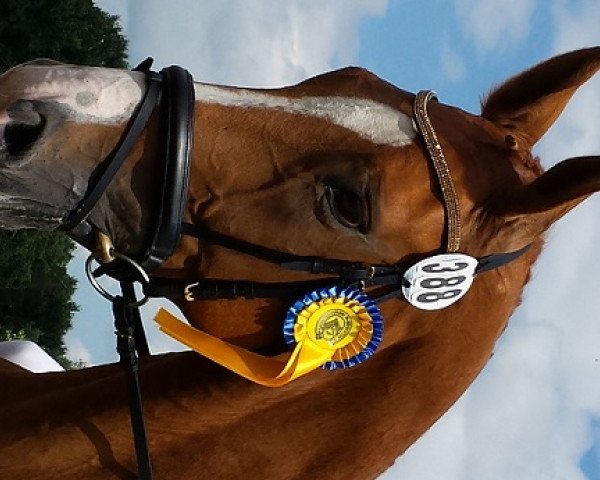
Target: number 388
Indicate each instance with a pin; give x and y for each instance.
(439, 281)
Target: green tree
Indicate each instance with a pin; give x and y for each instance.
(35, 289)
(73, 31)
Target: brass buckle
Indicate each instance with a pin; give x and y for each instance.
(370, 272)
(187, 291)
(104, 248)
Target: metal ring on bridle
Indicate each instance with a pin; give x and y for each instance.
(145, 279)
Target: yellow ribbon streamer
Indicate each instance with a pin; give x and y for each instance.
(271, 372)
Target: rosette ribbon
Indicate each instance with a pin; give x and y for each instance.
(333, 328)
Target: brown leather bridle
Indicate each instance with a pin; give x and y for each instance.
(436, 154)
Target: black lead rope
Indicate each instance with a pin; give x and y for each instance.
(139, 336)
(125, 326)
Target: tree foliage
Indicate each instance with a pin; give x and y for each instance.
(35, 288)
(73, 31)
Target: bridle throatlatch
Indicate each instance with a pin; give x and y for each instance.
(338, 323)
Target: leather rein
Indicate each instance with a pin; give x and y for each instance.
(172, 90)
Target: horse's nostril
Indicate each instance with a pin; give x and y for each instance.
(24, 127)
(18, 137)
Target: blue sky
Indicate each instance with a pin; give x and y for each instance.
(534, 413)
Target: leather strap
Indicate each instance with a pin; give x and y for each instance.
(389, 276)
(496, 260)
(178, 129)
(139, 335)
(124, 326)
(350, 271)
(451, 205)
(178, 113)
(208, 289)
(117, 157)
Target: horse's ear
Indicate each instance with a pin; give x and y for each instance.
(530, 209)
(529, 103)
(526, 106)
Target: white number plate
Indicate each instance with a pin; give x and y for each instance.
(439, 281)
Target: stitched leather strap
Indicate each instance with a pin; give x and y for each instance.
(178, 129)
(451, 205)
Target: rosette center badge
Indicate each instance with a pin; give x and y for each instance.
(344, 322)
(333, 326)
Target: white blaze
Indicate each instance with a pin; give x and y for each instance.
(107, 96)
(86, 94)
(379, 123)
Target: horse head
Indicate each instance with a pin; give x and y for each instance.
(331, 168)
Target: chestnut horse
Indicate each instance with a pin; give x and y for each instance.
(329, 168)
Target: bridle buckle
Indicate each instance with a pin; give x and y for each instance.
(370, 272)
(188, 294)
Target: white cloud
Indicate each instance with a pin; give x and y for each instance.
(158, 341)
(577, 24)
(495, 24)
(76, 350)
(439, 454)
(251, 43)
(453, 65)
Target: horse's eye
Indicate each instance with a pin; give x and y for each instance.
(348, 208)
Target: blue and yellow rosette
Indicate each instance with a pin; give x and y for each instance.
(333, 328)
(344, 324)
